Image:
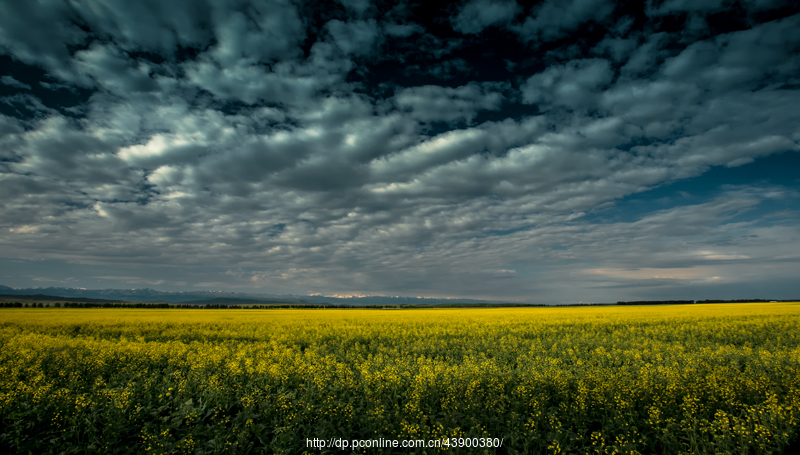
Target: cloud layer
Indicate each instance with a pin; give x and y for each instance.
(489, 150)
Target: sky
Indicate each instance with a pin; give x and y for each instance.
(556, 151)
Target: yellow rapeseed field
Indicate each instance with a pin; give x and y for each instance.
(719, 378)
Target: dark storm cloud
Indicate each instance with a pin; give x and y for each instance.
(400, 149)
(553, 19)
(476, 15)
(10, 81)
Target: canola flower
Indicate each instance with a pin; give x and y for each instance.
(721, 378)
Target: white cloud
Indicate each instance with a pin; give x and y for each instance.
(263, 33)
(24, 229)
(445, 148)
(434, 103)
(575, 85)
(160, 147)
(113, 70)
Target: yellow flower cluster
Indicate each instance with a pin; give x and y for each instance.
(721, 378)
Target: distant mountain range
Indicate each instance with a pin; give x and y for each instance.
(219, 297)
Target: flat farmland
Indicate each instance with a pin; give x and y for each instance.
(717, 378)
